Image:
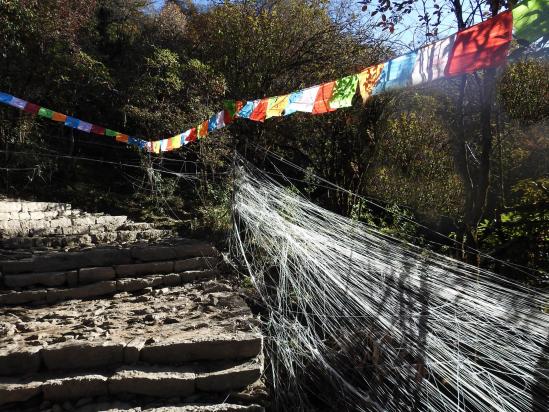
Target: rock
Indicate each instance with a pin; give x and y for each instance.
(31, 279)
(83, 292)
(131, 285)
(228, 377)
(20, 361)
(19, 298)
(75, 387)
(14, 391)
(137, 269)
(197, 263)
(212, 347)
(192, 275)
(96, 274)
(82, 354)
(132, 349)
(153, 253)
(153, 381)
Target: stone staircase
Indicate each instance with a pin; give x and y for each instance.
(28, 225)
(122, 326)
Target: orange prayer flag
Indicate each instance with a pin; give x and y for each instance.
(59, 117)
(367, 80)
(121, 137)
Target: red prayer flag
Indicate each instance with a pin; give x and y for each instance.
(260, 111)
(97, 129)
(192, 135)
(322, 101)
(482, 46)
(31, 108)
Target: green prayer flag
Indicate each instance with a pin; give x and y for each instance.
(45, 112)
(344, 91)
(230, 106)
(109, 132)
(531, 20)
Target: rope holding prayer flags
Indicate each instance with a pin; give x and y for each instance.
(482, 46)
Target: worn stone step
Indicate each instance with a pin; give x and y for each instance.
(91, 286)
(88, 275)
(173, 249)
(172, 325)
(143, 380)
(9, 206)
(87, 238)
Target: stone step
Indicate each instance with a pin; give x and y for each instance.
(143, 380)
(170, 250)
(88, 275)
(87, 238)
(41, 226)
(172, 325)
(16, 206)
(91, 286)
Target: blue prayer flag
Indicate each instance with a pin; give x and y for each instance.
(5, 98)
(396, 73)
(72, 122)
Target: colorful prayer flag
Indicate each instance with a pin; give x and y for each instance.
(121, 137)
(220, 122)
(396, 73)
(482, 46)
(248, 108)
(84, 126)
(202, 129)
(212, 123)
(59, 117)
(175, 142)
(259, 112)
(72, 122)
(5, 98)
(432, 60)
(323, 96)
(367, 80)
(344, 91)
(111, 133)
(156, 146)
(193, 135)
(47, 113)
(98, 129)
(277, 105)
(185, 136)
(31, 108)
(19, 103)
(531, 20)
(302, 100)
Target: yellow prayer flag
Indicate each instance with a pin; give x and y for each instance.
(277, 105)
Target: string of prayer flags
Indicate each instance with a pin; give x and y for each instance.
(481, 46)
(367, 79)
(531, 20)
